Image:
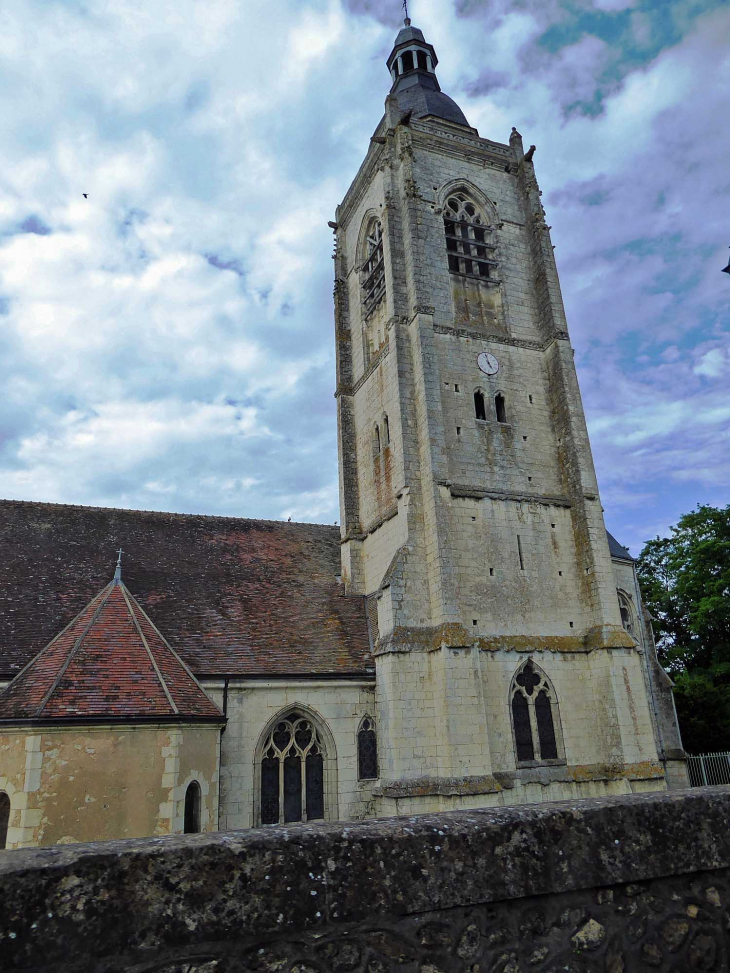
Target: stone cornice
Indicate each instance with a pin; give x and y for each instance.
(478, 492)
(501, 339)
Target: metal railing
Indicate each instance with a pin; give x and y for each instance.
(708, 768)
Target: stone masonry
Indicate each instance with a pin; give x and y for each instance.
(626, 884)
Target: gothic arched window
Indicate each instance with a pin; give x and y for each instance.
(376, 439)
(192, 808)
(373, 269)
(367, 750)
(292, 772)
(480, 410)
(386, 431)
(627, 613)
(468, 238)
(535, 717)
(4, 818)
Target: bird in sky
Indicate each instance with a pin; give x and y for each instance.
(85, 195)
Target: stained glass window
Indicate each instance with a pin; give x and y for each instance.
(523, 730)
(545, 727)
(292, 772)
(367, 750)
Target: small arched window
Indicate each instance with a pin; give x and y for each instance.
(422, 60)
(535, 718)
(4, 818)
(480, 410)
(367, 750)
(376, 439)
(386, 431)
(407, 61)
(499, 407)
(192, 808)
(373, 269)
(292, 772)
(627, 614)
(468, 238)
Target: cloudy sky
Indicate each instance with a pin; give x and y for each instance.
(167, 343)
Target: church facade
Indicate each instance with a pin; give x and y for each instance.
(471, 637)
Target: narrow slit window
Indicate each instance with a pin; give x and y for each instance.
(192, 808)
(519, 552)
(386, 431)
(376, 439)
(4, 818)
(499, 407)
(480, 410)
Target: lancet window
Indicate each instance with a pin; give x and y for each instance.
(367, 750)
(292, 772)
(373, 270)
(535, 717)
(192, 808)
(469, 242)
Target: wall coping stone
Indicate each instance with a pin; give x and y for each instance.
(110, 905)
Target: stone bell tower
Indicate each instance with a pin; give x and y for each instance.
(471, 518)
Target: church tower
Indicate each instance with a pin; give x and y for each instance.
(471, 518)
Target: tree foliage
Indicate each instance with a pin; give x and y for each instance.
(685, 584)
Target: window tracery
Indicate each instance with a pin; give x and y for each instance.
(535, 717)
(373, 269)
(367, 750)
(627, 614)
(292, 772)
(469, 242)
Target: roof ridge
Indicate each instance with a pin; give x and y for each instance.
(161, 678)
(163, 513)
(182, 662)
(77, 644)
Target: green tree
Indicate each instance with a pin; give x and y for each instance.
(685, 584)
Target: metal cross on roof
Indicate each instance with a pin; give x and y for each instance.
(118, 571)
(405, 8)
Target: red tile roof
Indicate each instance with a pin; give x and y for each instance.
(233, 596)
(110, 662)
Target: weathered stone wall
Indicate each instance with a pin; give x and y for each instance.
(88, 783)
(613, 886)
(336, 706)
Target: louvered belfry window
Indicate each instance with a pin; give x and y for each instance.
(292, 772)
(373, 270)
(367, 750)
(534, 712)
(469, 242)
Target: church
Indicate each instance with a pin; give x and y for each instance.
(469, 637)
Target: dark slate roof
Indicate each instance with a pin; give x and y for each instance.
(616, 549)
(233, 596)
(424, 99)
(111, 662)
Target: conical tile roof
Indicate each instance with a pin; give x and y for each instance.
(110, 662)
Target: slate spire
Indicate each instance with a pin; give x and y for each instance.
(412, 65)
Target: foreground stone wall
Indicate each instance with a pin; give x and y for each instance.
(622, 884)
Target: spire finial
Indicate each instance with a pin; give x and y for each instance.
(407, 20)
(118, 570)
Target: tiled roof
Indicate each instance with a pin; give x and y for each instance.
(233, 596)
(110, 662)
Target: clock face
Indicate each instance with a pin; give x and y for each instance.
(488, 363)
